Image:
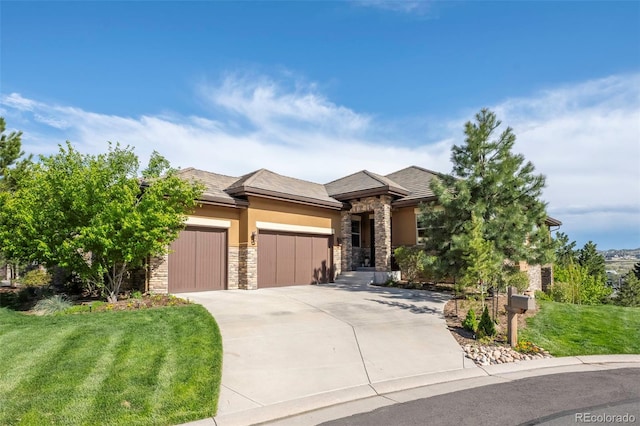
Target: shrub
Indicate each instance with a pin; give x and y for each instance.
(486, 327)
(541, 295)
(574, 284)
(412, 261)
(52, 305)
(35, 278)
(517, 279)
(470, 321)
(136, 295)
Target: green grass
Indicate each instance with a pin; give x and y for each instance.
(566, 330)
(155, 366)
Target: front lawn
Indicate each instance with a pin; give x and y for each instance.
(565, 329)
(155, 366)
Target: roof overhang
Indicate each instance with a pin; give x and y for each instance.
(274, 195)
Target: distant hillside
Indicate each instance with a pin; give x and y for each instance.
(620, 254)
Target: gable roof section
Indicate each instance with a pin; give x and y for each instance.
(417, 180)
(215, 186)
(266, 183)
(364, 184)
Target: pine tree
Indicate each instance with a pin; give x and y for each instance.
(629, 293)
(636, 270)
(589, 258)
(498, 187)
(10, 153)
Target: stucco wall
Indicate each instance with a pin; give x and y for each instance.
(223, 213)
(403, 227)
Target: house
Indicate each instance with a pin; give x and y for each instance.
(268, 230)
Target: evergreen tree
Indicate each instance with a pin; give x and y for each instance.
(629, 293)
(10, 154)
(592, 261)
(498, 187)
(565, 252)
(636, 270)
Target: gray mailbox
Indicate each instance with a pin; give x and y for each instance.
(525, 303)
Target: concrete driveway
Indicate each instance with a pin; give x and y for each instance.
(309, 346)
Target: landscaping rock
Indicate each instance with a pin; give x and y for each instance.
(492, 354)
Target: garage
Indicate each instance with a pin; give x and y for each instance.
(198, 260)
(293, 259)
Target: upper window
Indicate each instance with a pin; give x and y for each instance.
(355, 233)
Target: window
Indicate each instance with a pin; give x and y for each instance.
(421, 231)
(355, 233)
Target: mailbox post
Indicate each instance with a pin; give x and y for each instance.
(516, 304)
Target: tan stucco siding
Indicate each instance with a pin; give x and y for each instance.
(403, 226)
(273, 211)
(222, 213)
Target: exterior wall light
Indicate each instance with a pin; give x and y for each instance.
(254, 238)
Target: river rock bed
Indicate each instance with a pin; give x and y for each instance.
(489, 355)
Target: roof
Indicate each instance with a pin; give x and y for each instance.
(552, 222)
(215, 186)
(417, 180)
(268, 184)
(362, 184)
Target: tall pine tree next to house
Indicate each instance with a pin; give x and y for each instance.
(492, 183)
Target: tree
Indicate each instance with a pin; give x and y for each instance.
(498, 187)
(11, 167)
(592, 261)
(92, 215)
(10, 154)
(636, 270)
(565, 251)
(482, 264)
(629, 293)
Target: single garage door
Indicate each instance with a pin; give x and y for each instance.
(293, 259)
(198, 260)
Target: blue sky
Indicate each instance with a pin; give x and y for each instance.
(318, 90)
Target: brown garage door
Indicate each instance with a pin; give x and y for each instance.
(293, 259)
(198, 260)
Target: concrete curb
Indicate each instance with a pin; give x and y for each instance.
(346, 402)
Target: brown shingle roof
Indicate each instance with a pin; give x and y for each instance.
(215, 186)
(363, 183)
(269, 184)
(417, 181)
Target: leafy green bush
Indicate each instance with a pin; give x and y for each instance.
(574, 284)
(470, 321)
(412, 261)
(52, 305)
(35, 278)
(541, 295)
(517, 279)
(486, 327)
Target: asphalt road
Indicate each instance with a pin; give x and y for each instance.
(560, 399)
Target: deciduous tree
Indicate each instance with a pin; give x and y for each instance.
(93, 215)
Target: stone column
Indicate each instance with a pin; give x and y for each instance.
(158, 274)
(248, 268)
(345, 218)
(232, 268)
(382, 225)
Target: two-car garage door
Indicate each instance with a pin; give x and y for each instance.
(293, 259)
(198, 260)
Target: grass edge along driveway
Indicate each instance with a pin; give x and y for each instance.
(565, 329)
(156, 366)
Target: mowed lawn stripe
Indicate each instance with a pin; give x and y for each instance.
(134, 367)
(84, 394)
(565, 329)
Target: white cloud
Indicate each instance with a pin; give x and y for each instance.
(584, 137)
(419, 7)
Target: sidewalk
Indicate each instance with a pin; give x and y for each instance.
(346, 402)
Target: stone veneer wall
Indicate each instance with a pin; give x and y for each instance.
(535, 277)
(233, 268)
(158, 274)
(337, 261)
(381, 207)
(248, 268)
(346, 249)
(382, 223)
